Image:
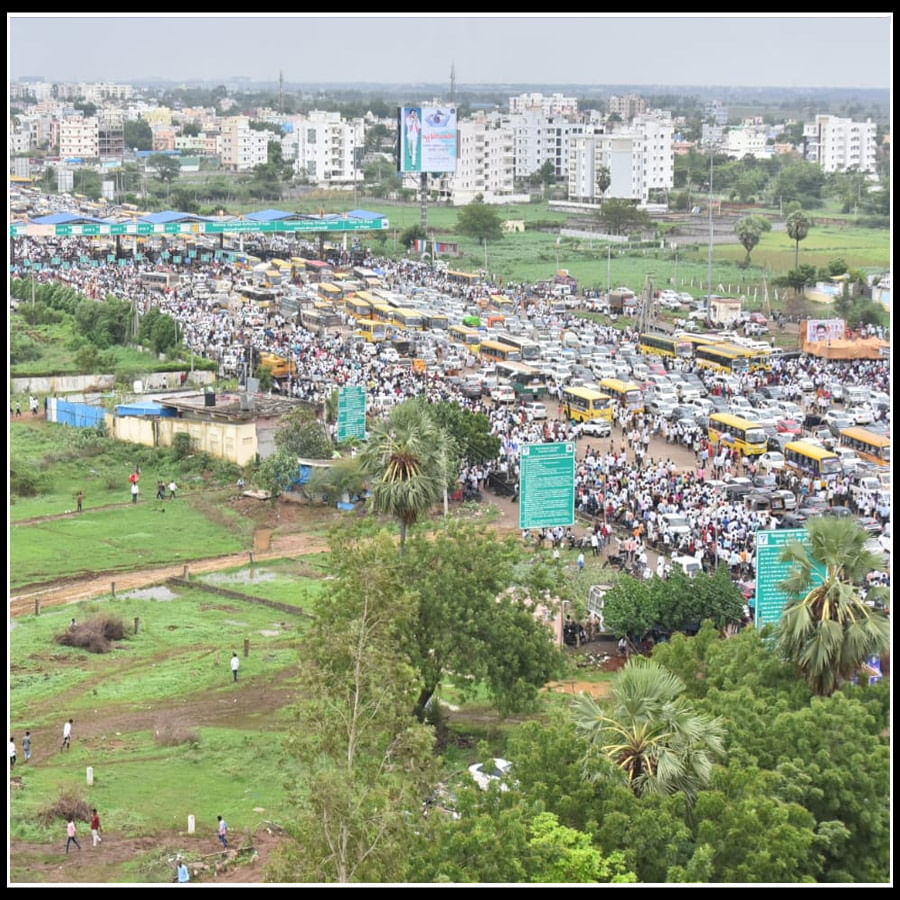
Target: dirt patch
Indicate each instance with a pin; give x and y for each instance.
(598, 689)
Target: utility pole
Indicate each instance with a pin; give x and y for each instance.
(709, 255)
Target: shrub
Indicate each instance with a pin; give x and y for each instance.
(174, 732)
(181, 445)
(96, 635)
(25, 480)
(69, 804)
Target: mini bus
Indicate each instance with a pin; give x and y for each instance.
(625, 394)
(869, 445)
(748, 438)
(811, 459)
(374, 332)
(470, 338)
(525, 380)
(495, 351)
(528, 349)
(583, 404)
(666, 345)
(731, 359)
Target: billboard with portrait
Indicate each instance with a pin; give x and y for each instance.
(824, 330)
(428, 139)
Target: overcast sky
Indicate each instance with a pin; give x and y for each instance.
(742, 50)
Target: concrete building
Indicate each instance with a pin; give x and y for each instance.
(110, 133)
(553, 105)
(325, 147)
(486, 162)
(627, 106)
(748, 140)
(841, 144)
(79, 137)
(240, 147)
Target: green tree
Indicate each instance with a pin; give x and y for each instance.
(826, 630)
(405, 460)
(602, 180)
(412, 233)
(138, 135)
(301, 434)
(654, 736)
(475, 617)
(749, 230)
(621, 216)
(359, 762)
(166, 167)
(479, 221)
(471, 431)
(277, 473)
(797, 225)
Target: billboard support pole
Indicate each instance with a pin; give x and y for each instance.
(423, 198)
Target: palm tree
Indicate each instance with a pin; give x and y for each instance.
(826, 629)
(797, 225)
(651, 733)
(405, 460)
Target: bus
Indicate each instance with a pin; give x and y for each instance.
(666, 345)
(381, 312)
(407, 319)
(160, 280)
(260, 296)
(748, 438)
(470, 338)
(869, 445)
(585, 404)
(495, 351)
(527, 348)
(359, 306)
(696, 340)
(327, 290)
(525, 380)
(723, 358)
(625, 394)
(331, 318)
(374, 332)
(465, 278)
(760, 360)
(811, 459)
(436, 321)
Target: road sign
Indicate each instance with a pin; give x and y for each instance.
(771, 571)
(351, 413)
(547, 476)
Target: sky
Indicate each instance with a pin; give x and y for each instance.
(767, 50)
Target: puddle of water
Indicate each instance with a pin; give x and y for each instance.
(152, 593)
(244, 576)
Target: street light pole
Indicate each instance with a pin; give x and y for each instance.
(709, 255)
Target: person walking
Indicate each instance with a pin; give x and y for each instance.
(581, 561)
(135, 490)
(71, 834)
(67, 733)
(160, 490)
(79, 499)
(222, 832)
(12, 751)
(182, 873)
(95, 828)
(235, 665)
(26, 745)
(172, 488)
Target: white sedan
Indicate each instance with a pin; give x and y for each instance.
(596, 428)
(771, 461)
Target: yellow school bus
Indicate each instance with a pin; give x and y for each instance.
(748, 438)
(868, 445)
(583, 404)
(625, 393)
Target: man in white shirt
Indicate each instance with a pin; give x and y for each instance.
(235, 665)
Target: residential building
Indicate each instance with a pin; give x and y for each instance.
(486, 162)
(748, 140)
(325, 147)
(110, 133)
(240, 147)
(554, 105)
(627, 106)
(841, 144)
(79, 137)
(716, 111)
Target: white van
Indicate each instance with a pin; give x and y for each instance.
(690, 565)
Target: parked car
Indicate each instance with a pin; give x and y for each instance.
(503, 393)
(771, 461)
(496, 773)
(861, 414)
(535, 409)
(789, 426)
(596, 428)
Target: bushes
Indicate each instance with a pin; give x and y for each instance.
(174, 732)
(69, 805)
(96, 635)
(25, 480)
(181, 445)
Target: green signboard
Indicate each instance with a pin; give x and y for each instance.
(118, 229)
(547, 496)
(771, 571)
(90, 229)
(351, 413)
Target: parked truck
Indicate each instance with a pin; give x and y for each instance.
(281, 366)
(622, 301)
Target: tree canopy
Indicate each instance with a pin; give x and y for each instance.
(479, 221)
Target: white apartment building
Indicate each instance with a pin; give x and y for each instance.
(538, 138)
(325, 147)
(30, 132)
(841, 144)
(639, 159)
(746, 141)
(486, 162)
(100, 91)
(240, 147)
(554, 105)
(79, 137)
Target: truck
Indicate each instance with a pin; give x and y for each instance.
(281, 366)
(869, 487)
(622, 300)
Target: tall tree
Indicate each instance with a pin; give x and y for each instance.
(479, 221)
(166, 167)
(602, 180)
(619, 216)
(407, 464)
(826, 629)
(653, 735)
(798, 226)
(749, 230)
(300, 433)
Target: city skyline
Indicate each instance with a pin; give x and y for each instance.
(796, 51)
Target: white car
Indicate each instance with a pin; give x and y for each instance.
(596, 428)
(861, 415)
(771, 461)
(497, 773)
(503, 393)
(535, 409)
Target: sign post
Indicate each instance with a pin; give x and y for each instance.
(547, 473)
(351, 413)
(771, 571)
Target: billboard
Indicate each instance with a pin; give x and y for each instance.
(429, 141)
(824, 330)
